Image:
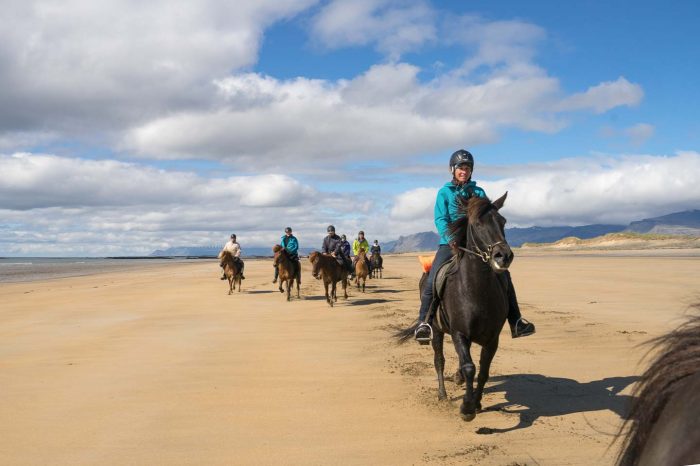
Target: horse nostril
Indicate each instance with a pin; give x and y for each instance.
(498, 256)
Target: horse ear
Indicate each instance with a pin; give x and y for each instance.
(498, 203)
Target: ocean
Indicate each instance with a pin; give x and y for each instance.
(25, 269)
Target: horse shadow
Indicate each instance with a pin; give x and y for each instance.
(535, 395)
(364, 302)
(262, 291)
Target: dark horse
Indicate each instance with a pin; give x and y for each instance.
(377, 264)
(475, 299)
(326, 267)
(664, 420)
(232, 270)
(290, 270)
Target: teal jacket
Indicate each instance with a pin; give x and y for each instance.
(446, 206)
(291, 244)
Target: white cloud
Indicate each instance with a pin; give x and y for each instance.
(77, 65)
(604, 96)
(639, 133)
(583, 191)
(395, 26)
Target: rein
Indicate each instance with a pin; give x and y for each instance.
(485, 256)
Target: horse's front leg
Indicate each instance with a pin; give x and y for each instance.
(230, 285)
(345, 288)
(487, 354)
(290, 283)
(462, 344)
(329, 299)
(438, 340)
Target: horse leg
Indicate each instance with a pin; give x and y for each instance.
(487, 354)
(329, 299)
(290, 282)
(230, 284)
(345, 288)
(462, 344)
(438, 340)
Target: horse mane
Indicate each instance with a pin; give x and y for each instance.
(678, 358)
(471, 209)
(276, 248)
(226, 255)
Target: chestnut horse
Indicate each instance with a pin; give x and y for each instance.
(361, 269)
(232, 270)
(326, 267)
(290, 270)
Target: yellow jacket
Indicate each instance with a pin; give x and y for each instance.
(356, 245)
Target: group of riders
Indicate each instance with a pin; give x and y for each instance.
(446, 211)
(337, 246)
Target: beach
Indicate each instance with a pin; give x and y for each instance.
(158, 365)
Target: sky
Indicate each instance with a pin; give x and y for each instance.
(128, 126)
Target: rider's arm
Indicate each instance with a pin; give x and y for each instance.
(355, 247)
(442, 213)
(326, 245)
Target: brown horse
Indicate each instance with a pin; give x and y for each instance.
(377, 265)
(326, 267)
(361, 269)
(664, 421)
(290, 270)
(232, 270)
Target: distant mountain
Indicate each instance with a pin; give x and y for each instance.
(426, 241)
(518, 236)
(678, 223)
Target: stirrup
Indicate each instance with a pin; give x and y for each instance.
(514, 331)
(424, 340)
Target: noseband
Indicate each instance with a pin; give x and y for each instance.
(485, 256)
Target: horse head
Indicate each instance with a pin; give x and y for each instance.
(314, 258)
(278, 255)
(481, 232)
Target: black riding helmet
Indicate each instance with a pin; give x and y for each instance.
(461, 157)
(330, 228)
(288, 230)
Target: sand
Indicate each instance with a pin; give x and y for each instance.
(161, 366)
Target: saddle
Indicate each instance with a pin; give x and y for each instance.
(445, 270)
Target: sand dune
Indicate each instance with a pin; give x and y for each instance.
(160, 366)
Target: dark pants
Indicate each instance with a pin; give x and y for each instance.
(442, 255)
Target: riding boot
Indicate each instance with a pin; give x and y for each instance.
(519, 327)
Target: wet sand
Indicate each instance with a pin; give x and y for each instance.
(161, 366)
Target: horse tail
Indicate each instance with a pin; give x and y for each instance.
(402, 336)
(426, 262)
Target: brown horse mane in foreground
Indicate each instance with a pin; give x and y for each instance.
(664, 419)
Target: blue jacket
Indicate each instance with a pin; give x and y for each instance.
(292, 245)
(345, 247)
(446, 206)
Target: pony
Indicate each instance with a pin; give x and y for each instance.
(232, 270)
(377, 264)
(361, 268)
(289, 269)
(663, 426)
(474, 304)
(326, 267)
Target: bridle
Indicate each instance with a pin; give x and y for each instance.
(485, 256)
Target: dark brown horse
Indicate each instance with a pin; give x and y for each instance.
(290, 270)
(361, 268)
(232, 270)
(327, 268)
(475, 298)
(664, 420)
(377, 262)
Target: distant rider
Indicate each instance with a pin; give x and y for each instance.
(376, 248)
(332, 245)
(290, 243)
(360, 243)
(446, 212)
(235, 249)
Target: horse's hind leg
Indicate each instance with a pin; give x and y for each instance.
(290, 283)
(487, 354)
(438, 340)
(462, 344)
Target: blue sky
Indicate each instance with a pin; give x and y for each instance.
(127, 129)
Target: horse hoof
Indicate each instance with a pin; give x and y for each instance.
(442, 396)
(468, 417)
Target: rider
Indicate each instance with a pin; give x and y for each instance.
(332, 245)
(375, 249)
(290, 243)
(446, 211)
(235, 249)
(360, 243)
